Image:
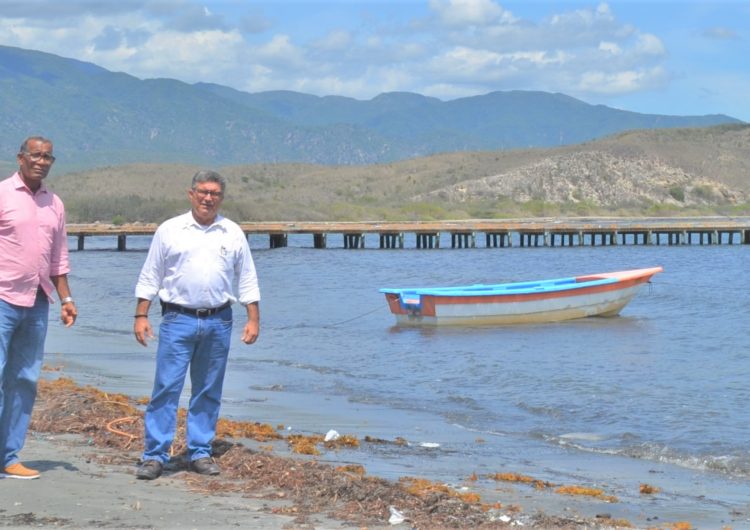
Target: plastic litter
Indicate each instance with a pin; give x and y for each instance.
(331, 435)
(396, 516)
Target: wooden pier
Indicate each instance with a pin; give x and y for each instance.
(473, 233)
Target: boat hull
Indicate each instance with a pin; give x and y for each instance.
(602, 295)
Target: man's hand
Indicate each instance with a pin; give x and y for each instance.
(143, 331)
(250, 332)
(68, 314)
(252, 328)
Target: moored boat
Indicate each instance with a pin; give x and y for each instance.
(603, 295)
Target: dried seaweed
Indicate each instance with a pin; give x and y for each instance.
(344, 493)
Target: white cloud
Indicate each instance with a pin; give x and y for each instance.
(648, 44)
(191, 57)
(477, 68)
(579, 52)
(610, 47)
(279, 52)
(470, 12)
(584, 18)
(607, 83)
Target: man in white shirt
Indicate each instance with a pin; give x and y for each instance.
(191, 265)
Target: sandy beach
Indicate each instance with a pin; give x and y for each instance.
(87, 456)
(86, 443)
(86, 484)
(75, 491)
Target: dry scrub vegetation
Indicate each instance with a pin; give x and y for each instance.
(703, 171)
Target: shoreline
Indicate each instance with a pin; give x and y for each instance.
(86, 442)
(87, 454)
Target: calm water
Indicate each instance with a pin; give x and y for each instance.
(657, 395)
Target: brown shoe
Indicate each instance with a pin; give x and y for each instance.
(149, 470)
(18, 470)
(205, 466)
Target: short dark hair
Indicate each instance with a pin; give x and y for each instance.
(209, 176)
(25, 145)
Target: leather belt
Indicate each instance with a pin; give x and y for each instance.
(200, 313)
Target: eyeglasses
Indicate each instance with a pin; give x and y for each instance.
(38, 157)
(202, 194)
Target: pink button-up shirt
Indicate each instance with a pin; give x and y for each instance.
(33, 241)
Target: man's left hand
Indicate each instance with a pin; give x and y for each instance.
(68, 314)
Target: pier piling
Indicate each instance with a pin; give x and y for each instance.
(463, 240)
(277, 240)
(354, 241)
(391, 240)
(319, 240)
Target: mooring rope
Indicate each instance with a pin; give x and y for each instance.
(379, 307)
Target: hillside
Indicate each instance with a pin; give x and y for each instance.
(101, 118)
(636, 170)
(665, 172)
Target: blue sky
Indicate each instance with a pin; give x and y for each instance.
(662, 57)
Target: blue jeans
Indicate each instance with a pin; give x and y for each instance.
(202, 344)
(22, 334)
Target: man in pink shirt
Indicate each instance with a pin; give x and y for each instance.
(33, 262)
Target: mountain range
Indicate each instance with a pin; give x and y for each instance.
(99, 118)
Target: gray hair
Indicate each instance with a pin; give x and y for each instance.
(25, 145)
(209, 176)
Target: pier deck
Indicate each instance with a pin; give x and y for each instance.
(466, 233)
